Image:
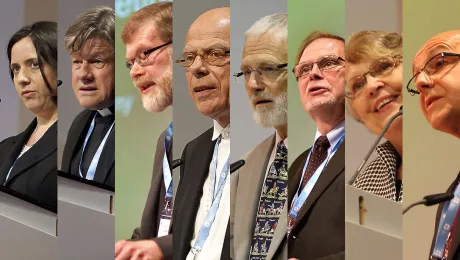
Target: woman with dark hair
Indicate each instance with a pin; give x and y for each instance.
(28, 161)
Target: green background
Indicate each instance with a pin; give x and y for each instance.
(305, 17)
(137, 132)
(431, 160)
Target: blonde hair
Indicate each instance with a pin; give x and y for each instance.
(95, 22)
(159, 14)
(315, 35)
(370, 45)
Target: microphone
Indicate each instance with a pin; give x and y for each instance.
(355, 175)
(431, 200)
(236, 165)
(176, 163)
(59, 82)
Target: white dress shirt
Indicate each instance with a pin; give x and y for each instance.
(212, 248)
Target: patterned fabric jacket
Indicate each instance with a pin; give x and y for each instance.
(379, 177)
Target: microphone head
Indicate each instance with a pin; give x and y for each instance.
(400, 108)
(59, 82)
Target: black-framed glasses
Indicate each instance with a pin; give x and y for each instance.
(325, 63)
(379, 68)
(214, 57)
(143, 57)
(265, 72)
(432, 66)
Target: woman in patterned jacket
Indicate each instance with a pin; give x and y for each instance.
(374, 95)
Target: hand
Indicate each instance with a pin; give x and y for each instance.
(138, 250)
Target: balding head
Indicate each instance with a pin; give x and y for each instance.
(211, 22)
(208, 76)
(445, 41)
(438, 84)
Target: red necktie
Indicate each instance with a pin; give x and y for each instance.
(317, 157)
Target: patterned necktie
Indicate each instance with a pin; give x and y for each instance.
(317, 157)
(271, 203)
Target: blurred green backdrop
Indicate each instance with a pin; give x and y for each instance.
(306, 16)
(430, 157)
(137, 132)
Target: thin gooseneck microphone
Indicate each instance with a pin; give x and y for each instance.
(59, 82)
(355, 175)
(236, 165)
(431, 200)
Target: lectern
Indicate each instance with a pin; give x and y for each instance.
(28, 227)
(373, 226)
(86, 219)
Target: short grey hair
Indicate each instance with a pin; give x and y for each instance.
(274, 24)
(95, 22)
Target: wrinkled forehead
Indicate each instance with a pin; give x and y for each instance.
(264, 49)
(443, 42)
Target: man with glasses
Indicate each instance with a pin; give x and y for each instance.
(202, 201)
(259, 189)
(316, 218)
(89, 151)
(148, 36)
(436, 72)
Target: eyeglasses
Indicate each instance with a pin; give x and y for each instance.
(213, 57)
(143, 57)
(379, 68)
(325, 63)
(432, 66)
(265, 73)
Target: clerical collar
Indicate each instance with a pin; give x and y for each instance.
(105, 112)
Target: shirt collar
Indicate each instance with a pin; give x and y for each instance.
(219, 130)
(334, 135)
(278, 139)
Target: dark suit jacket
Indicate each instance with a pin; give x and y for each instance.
(196, 157)
(454, 250)
(319, 232)
(155, 202)
(105, 171)
(35, 172)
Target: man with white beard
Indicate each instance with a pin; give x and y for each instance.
(148, 36)
(259, 189)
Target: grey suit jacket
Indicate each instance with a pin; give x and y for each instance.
(246, 186)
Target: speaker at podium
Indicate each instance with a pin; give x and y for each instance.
(86, 219)
(29, 227)
(373, 226)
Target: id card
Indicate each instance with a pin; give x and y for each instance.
(165, 220)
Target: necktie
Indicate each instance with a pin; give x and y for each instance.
(317, 157)
(271, 203)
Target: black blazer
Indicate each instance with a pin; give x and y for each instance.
(196, 157)
(155, 202)
(105, 171)
(319, 232)
(35, 172)
(454, 250)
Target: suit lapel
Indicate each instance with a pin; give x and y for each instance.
(77, 132)
(16, 148)
(456, 235)
(43, 148)
(196, 171)
(107, 159)
(334, 167)
(251, 179)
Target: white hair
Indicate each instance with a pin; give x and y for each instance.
(274, 24)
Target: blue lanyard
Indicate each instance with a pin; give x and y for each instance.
(92, 167)
(299, 200)
(167, 177)
(449, 212)
(211, 215)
